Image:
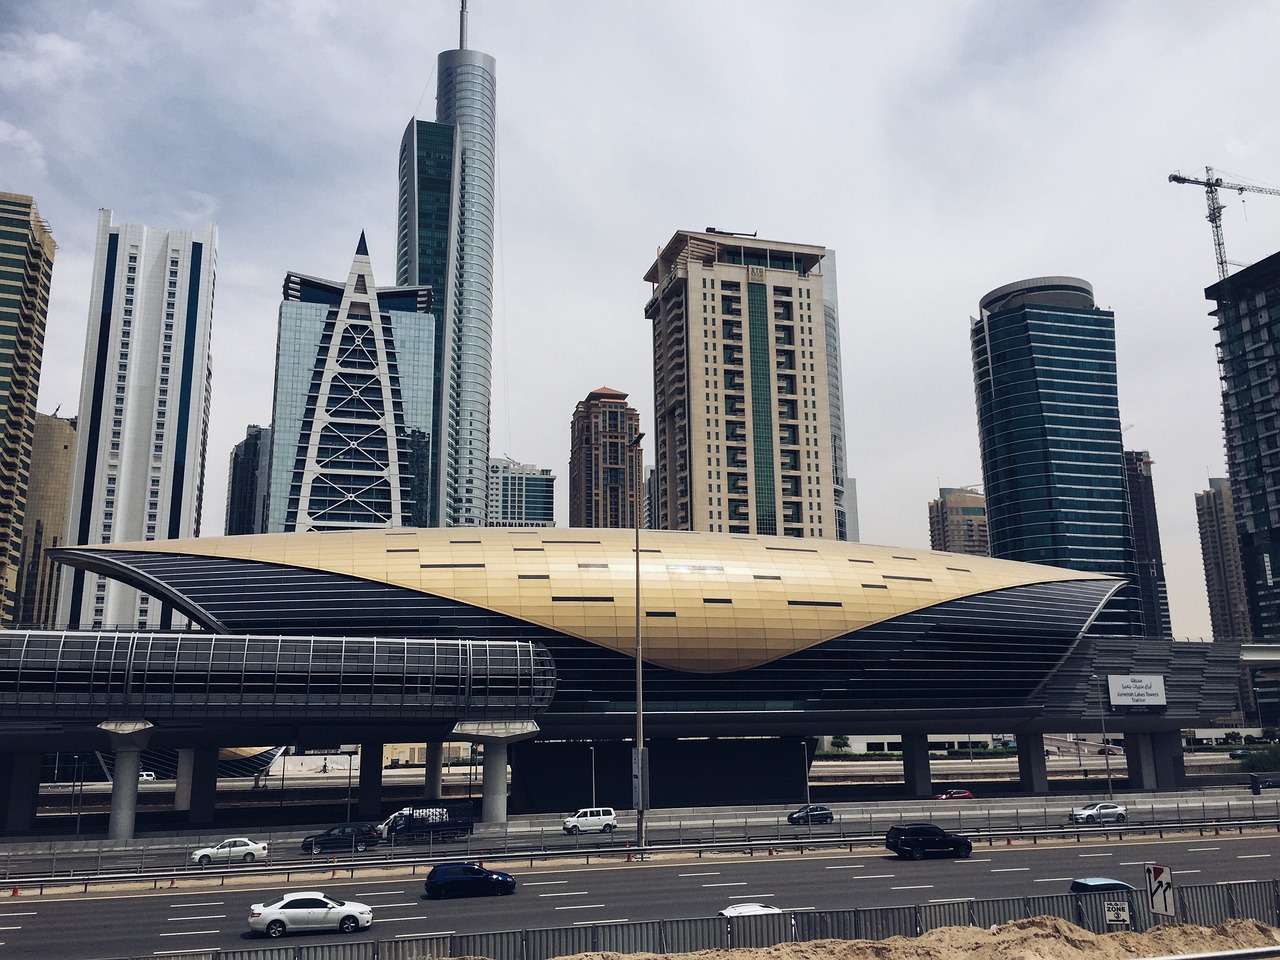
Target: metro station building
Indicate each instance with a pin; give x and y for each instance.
(751, 646)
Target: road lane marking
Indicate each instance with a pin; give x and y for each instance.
(566, 893)
(710, 873)
(203, 903)
(543, 883)
(1201, 849)
(1249, 856)
(1134, 863)
(1051, 880)
(976, 860)
(1010, 869)
(191, 933)
(874, 876)
(925, 886)
(1085, 856)
(733, 883)
(5, 915)
(954, 900)
(581, 906)
(753, 896)
(847, 866)
(388, 906)
(210, 916)
(433, 933)
(10, 928)
(579, 923)
(379, 893)
(1181, 872)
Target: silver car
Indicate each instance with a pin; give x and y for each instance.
(1099, 813)
(237, 849)
(308, 910)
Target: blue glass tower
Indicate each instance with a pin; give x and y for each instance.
(444, 238)
(1044, 369)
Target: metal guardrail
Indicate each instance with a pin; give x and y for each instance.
(765, 845)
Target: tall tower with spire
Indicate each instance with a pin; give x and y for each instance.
(444, 235)
(350, 439)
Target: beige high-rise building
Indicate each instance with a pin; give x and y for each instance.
(958, 522)
(742, 396)
(44, 525)
(1223, 562)
(26, 267)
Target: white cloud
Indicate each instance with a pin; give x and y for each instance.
(21, 154)
(41, 60)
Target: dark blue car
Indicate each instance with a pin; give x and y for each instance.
(467, 880)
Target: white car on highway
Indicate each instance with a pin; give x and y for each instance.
(308, 910)
(748, 910)
(1099, 813)
(235, 850)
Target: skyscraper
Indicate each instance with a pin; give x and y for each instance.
(1152, 590)
(26, 266)
(1248, 327)
(444, 237)
(605, 467)
(1044, 366)
(144, 408)
(351, 444)
(843, 487)
(248, 483)
(742, 387)
(521, 494)
(44, 525)
(958, 522)
(1223, 569)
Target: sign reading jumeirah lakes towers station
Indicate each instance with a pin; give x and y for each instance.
(1136, 691)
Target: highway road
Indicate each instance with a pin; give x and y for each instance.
(207, 917)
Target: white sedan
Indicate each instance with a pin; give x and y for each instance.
(308, 910)
(237, 849)
(1099, 813)
(748, 910)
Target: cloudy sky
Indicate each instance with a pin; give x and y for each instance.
(941, 148)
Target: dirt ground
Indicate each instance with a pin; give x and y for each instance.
(1040, 938)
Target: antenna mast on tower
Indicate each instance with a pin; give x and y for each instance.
(462, 27)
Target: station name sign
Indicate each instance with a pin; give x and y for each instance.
(1136, 690)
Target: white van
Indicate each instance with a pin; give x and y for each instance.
(601, 819)
(146, 776)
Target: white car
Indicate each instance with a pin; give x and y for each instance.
(748, 910)
(308, 910)
(1099, 813)
(235, 850)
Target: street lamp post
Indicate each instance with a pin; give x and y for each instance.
(804, 770)
(641, 783)
(593, 775)
(1106, 748)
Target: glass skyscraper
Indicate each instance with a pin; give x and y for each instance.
(445, 239)
(1044, 367)
(350, 437)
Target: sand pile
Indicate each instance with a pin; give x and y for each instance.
(1040, 938)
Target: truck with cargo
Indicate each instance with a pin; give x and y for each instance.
(429, 820)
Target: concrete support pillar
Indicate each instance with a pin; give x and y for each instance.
(182, 779)
(204, 785)
(1167, 758)
(19, 790)
(433, 775)
(494, 805)
(128, 740)
(1139, 757)
(369, 800)
(1033, 772)
(915, 765)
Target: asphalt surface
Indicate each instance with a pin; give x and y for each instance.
(204, 914)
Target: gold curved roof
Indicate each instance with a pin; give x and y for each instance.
(709, 602)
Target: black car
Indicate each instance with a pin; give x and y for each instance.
(811, 813)
(356, 837)
(467, 880)
(919, 840)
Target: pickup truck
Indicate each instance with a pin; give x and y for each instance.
(429, 820)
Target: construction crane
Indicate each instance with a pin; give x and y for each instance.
(1211, 186)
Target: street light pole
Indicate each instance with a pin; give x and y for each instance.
(641, 783)
(1106, 748)
(593, 775)
(804, 769)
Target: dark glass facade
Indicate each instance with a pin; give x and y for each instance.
(1248, 325)
(1146, 544)
(1049, 426)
